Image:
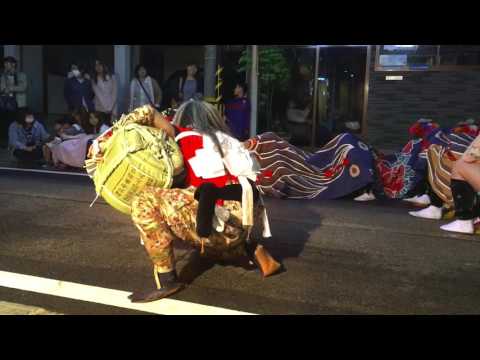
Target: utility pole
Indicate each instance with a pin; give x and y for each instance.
(123, 67)
(315, 97)
(210, 70)
(253, 91)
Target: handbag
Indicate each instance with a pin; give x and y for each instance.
(148, 96)
(8, 103)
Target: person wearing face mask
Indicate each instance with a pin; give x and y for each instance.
(13, 87)
(78, 90)
(27, 136)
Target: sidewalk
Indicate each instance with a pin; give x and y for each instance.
(8, 308)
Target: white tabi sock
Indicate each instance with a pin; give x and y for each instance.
(420, 200)
(431, 212)
(460, 226)
(365, 197)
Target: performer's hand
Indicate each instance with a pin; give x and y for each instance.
(160, 122)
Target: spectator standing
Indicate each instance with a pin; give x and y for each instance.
(13, 93)
(78, 90)
(105, 89)
(190, 84)
(144, 90)
(237, 112)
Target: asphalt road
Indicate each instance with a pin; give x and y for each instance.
(340, 257)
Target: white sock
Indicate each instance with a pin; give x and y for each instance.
(365, 197)
(431, 212)
(419, 199)
(460, 226)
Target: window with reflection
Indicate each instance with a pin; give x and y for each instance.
(426, 57)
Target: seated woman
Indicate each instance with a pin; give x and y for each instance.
(72, 150)
(26, 137)
(59, 126)
(213, 160)
(100, 122)
(341, 167)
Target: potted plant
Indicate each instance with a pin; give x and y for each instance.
(274, 75)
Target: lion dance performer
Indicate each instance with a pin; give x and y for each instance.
(213, 205)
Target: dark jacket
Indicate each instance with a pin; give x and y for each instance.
(75, 91)
(17, 138)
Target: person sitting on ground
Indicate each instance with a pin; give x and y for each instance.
(71, 151)
(26, 137)
(76, 124)
(59, 126)
(100, 122)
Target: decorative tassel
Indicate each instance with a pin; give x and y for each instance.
(157, 279)
(94, 200)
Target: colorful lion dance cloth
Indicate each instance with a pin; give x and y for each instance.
(342, 166)
(401, 172)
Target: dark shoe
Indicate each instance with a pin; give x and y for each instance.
(154, 295)
(169, 285)
(245, 262)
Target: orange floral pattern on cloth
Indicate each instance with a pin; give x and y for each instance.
(162, 215)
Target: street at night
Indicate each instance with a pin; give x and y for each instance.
(340, 257)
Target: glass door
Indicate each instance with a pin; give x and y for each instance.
(341, 89)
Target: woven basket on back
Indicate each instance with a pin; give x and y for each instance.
(134, 157)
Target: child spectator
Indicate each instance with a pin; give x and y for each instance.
(237, 112)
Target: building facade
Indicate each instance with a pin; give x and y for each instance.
(394, 84)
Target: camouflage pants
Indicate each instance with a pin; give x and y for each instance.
(161, 215)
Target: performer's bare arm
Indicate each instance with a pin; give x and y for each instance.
(160, 122)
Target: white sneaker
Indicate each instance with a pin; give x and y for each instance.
(423, 200)
(365, 197)
(460, 226)
(431, 212)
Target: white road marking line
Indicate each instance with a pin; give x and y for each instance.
(106, 296)
(44, 171)
(9, 308)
